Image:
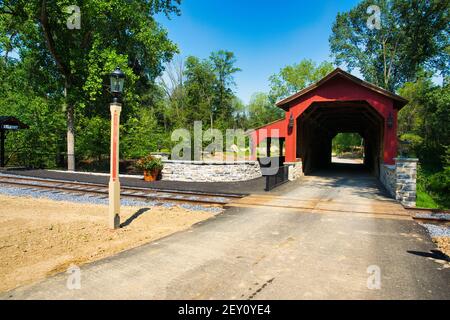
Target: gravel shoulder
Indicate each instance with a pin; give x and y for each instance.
(41, 237)
(440, 236)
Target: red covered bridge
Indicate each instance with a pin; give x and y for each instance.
(338, 103)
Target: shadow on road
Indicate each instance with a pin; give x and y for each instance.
(434, 254)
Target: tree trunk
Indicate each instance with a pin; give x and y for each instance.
(70, 132)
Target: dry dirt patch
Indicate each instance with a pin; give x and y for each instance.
(40, 237)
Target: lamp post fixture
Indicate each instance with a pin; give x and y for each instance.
(117, 80)
(291, 122)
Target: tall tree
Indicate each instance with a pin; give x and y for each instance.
(411, 35)
(424, 121)
(200, 90)
(173, 84)
(295, 77)
(224, 67)
(25, 92)
(262, 111)
(112, 33)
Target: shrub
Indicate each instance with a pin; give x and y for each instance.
(149, 163)
(440, 182)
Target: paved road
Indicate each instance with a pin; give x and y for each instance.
(274, 253)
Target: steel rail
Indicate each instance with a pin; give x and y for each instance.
(132, 192)
(429, 219)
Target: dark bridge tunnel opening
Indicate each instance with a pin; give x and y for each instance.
(322, 121)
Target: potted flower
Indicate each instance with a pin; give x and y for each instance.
(151, 166)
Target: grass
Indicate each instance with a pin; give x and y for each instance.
(424, 200)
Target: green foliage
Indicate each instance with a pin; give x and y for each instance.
(440, 182)
(414, 140)
(93, 142)
(424, 200)
(413, 35)
(146, 126)
(424, 124)
(433, 187)
(149, 163)
(223, 63)
(141, 135)
(261, 111)
(200, 87)
(295, 77)
(40, 145)
(424, 121)
(202, 90)
(346, 142)
(71, 66)
(41, 59)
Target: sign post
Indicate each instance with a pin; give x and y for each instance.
(8, 123)
(114, 183)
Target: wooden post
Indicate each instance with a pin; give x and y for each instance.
(114, 183)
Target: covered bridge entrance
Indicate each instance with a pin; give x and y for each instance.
(339, 103)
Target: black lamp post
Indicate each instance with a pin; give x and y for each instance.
(117, 80)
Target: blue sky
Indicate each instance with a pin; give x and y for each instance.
(265, 35)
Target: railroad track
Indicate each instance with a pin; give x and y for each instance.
(204, 198)
(431, 216)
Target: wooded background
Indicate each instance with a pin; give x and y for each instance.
(56, 80)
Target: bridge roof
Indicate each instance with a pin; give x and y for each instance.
(399, 102)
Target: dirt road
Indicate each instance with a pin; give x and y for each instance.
(40, 237)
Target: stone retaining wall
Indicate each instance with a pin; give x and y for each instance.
(295, 170)
(400, 180)
(200, 171)
(406, 179)
(388, 178)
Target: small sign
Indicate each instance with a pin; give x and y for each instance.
(10, 127)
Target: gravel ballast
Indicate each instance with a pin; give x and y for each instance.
(437, 231)
(437, 216)
(96, 199)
